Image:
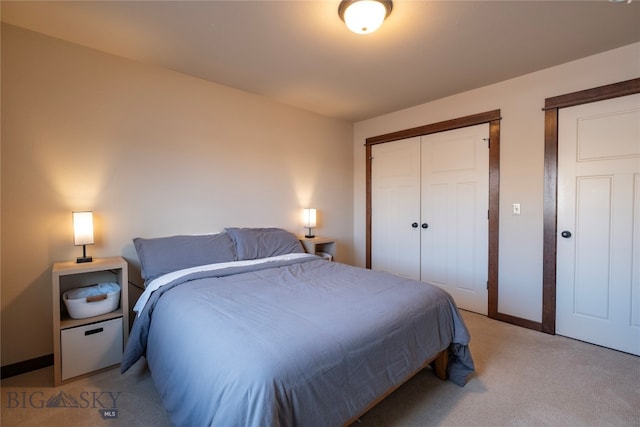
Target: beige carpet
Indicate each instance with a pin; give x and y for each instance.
(524, 378)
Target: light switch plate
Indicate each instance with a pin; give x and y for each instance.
(516, 208)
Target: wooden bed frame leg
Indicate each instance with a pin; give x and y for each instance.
(440, 364)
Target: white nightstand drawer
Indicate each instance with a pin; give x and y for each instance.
(90, 347)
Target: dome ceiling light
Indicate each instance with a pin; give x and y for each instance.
(364, 16)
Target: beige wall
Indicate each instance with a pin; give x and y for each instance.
(152, 152)
(521, 160)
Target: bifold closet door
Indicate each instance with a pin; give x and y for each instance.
(429, 220)
(395, 204)
(454, 210)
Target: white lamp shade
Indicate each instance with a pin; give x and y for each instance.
(82, 228)
(309, 218)
(365, 16)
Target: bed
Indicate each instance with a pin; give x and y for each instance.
(244, 328)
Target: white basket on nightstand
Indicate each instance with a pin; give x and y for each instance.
(92, 301)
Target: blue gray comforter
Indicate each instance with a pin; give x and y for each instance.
(303, 342)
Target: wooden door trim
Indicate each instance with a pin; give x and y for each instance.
(461, 122)
(550, 209)
(493, 118)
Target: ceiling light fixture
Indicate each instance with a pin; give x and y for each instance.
(364, 16)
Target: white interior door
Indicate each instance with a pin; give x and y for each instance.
(395, 203)
(454, 224)
(598, 243)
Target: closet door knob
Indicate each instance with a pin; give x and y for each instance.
(414, 225)
(566, 234)
(425, 225)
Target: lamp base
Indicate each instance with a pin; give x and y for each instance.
(84, 257)
(310, 234)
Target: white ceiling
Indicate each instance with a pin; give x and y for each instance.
(300, 53)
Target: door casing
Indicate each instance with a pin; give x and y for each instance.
(551, 109)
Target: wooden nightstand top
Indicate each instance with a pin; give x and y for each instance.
(318, 239)
(98, 264)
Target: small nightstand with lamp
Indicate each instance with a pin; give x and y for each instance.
(90, 309)
(321, 246)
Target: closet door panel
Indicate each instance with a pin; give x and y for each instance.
(454, 205)
(435, 250)
(395, 203)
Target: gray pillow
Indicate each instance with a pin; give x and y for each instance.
(255, 243)
(163, 255)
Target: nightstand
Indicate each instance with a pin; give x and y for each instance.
(85, 346)
(319, 245)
